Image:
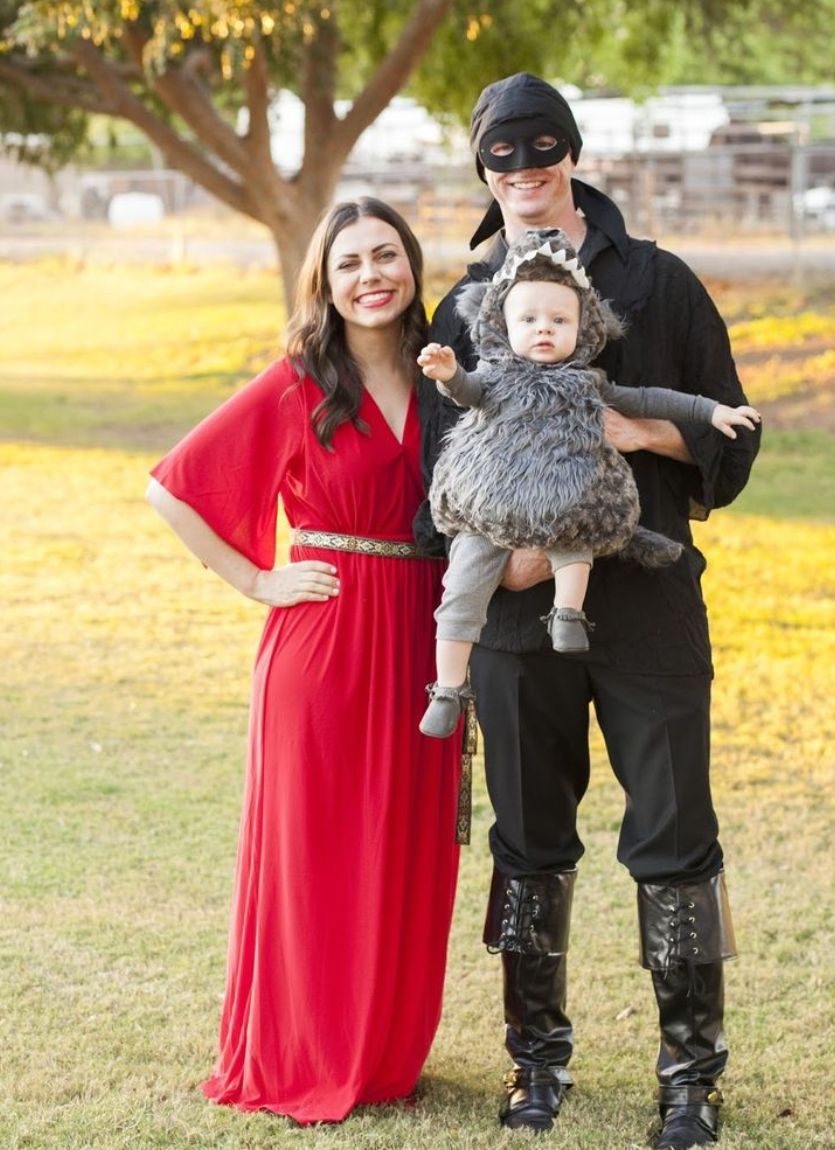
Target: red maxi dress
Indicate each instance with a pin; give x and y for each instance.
(346, 863)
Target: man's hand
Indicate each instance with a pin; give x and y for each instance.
(658, 435)
(526, 568)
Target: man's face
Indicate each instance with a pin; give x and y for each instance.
(533, 197)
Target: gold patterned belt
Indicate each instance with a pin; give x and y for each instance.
(358, 544)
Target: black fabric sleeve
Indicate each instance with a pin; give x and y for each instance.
(722, 465)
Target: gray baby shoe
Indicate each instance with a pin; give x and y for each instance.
(446, 704)
(569, 629)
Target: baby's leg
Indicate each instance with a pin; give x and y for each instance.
(476, 567)
(452, 657)
(571, 577)
(566, 622)
(475, 570)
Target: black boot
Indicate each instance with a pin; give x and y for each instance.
(686, 933)
(527, 921)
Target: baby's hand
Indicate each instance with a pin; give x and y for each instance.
(438, 362)
(725, 418)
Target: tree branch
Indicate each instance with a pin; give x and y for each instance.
(179, 153)
(257, 95)
(318, 87)
(391, 75)
(181, 90)
(64, 93)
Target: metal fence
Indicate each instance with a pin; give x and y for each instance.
(776, 188)
(745, 188)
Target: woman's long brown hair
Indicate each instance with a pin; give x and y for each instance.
(316, 332)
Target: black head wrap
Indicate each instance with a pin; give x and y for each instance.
(519, 97)
(523, 97)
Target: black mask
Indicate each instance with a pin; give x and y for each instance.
(522, 136)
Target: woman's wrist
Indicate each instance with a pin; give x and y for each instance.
(252, 583)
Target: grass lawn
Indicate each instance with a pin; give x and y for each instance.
(124, 689)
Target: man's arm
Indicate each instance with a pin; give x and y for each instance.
(526, 568)
(722, 464)
(640, 418)
(657, 435)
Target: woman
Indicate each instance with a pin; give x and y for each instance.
(346, 862)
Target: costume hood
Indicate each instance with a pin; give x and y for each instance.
(545, 254)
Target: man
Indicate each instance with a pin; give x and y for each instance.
(648, 670)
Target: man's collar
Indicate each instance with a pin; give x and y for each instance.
(603, 213)
(485, 269)
(596, 207)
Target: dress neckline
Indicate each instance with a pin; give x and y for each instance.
(410, 410)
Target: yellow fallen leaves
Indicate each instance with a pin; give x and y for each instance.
(152, 331)
(777, 377)
(780, 354)
(770, 589)
(782, 331)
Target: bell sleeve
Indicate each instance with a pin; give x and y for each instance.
(230, 468)
(723, 465)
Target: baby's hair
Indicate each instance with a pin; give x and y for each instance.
(598, 322)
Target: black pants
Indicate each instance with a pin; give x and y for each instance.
(534, 713)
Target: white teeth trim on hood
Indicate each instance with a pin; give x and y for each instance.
(573, 266)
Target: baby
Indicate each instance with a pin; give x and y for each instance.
(529, 466)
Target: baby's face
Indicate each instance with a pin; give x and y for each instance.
(542, 319)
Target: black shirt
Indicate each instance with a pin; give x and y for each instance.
(645, 621)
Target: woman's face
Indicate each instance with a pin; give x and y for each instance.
(369, 275)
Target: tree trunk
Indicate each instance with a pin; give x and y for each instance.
(292, 212)
(291, 242)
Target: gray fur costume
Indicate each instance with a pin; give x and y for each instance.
(529, 465)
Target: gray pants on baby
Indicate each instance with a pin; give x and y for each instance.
(476, 567)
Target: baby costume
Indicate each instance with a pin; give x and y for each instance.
(528, 466)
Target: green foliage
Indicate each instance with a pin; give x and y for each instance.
(33, 131)
(474, 47)
(590, 43)
(165, 32)
(41, 134)
(628, 45)
(761, 42)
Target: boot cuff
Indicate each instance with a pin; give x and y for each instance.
(531, 914)
(690, 923)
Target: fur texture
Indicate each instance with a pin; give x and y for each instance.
(530, 466)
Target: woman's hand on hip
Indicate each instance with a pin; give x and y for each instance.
(308, 581)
